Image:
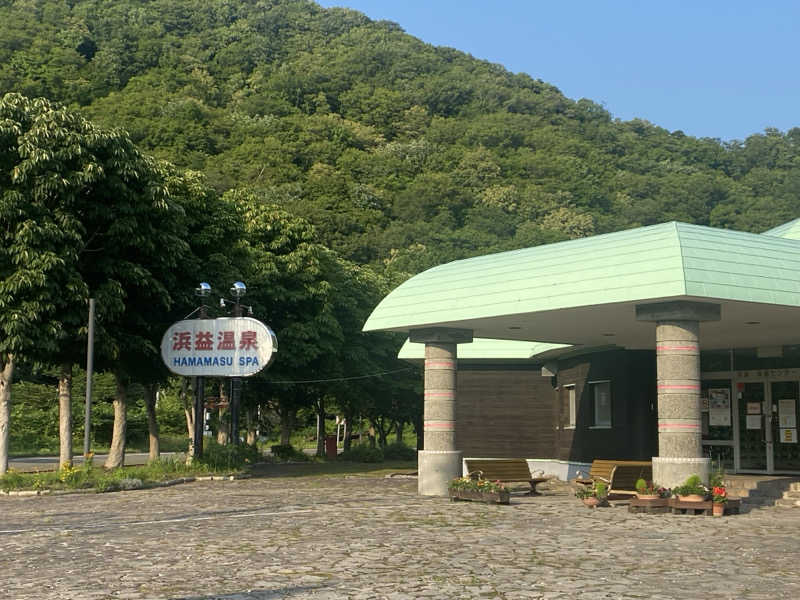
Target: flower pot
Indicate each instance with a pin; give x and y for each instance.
(718, 509)
(648, 496)
(591, 501)
(501, 497)
(692, 498)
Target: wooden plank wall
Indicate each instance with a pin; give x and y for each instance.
(505, 414)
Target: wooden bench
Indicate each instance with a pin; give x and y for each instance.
(619, 475)
(504, 470)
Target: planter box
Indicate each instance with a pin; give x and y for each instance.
(649, 506)
(502, 497)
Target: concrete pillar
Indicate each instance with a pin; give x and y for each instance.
(678, 373)
(440, 461)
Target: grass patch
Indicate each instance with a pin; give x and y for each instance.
(216, 460)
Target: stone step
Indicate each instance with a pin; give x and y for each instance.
(788, 502)
(757, 492)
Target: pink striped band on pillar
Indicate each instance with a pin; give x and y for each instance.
(439, 426)
(679, 386)
(679, 426)
(444, 394)
(677, 348)
(437, 363)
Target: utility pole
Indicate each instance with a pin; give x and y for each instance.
(199, 384)
(238, 291)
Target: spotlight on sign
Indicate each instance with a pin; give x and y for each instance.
(203, 289)
(239, 289)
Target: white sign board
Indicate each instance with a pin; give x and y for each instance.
(225, 347)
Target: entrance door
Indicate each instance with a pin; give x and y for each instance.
(785, 397)
(752, 426)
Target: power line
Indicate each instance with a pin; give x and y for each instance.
(381, 374)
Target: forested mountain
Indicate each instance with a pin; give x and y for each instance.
(401, 153)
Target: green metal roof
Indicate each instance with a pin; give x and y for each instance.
(670, 260)
(790, 230)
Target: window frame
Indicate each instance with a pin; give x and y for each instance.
(594, 386)
(572, 406)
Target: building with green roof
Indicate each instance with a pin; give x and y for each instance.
(658, 342)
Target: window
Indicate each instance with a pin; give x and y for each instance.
(572, 407)
(601, 403)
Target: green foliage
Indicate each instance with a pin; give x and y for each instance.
(87, 476)
(287, 452)
(399, 451)
(477, 485)
(692, 485)
(362, 453)
(217, 457)
(329, 157)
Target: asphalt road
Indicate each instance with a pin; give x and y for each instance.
(50, 463)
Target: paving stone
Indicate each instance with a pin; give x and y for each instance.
(322, 537)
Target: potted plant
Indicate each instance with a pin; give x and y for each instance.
(719, 496)
(692, 490)
(593, 496)
(647, 490)
(482, 490)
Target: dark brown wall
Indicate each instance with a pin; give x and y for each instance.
(517, 413)
(633, 396)
(505, 414)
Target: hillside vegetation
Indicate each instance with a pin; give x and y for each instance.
(401, 154)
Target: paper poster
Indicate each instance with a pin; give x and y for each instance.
(789, 436)
(754, 408)
(787, 406)
(787, 421)
(719, 417)
(754, 421)
(719, 398)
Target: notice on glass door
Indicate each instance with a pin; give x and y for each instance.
(719, 407)
(787, 417)
(754, 421)
(789, 436)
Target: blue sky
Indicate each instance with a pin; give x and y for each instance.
(707, 67)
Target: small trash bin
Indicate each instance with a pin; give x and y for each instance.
(330, 446)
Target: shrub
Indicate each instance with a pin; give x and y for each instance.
(362, 453)
(399, 451)
(288, 452)
(218, 457)
(12, 480)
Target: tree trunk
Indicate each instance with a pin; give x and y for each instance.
(250, 424)
(420, 431)
(380, 427)
(6, 378)
(321, 427)
(116, 454)
(65, 416)
(288, 418)
(151, 392)
(399, 432)
(348, 433)
(187, 401)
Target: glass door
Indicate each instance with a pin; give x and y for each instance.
(785, 397)
(752, 426)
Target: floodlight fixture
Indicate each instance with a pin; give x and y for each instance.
(203, 289)
(239, 289)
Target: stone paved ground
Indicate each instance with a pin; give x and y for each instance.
(356, 537)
